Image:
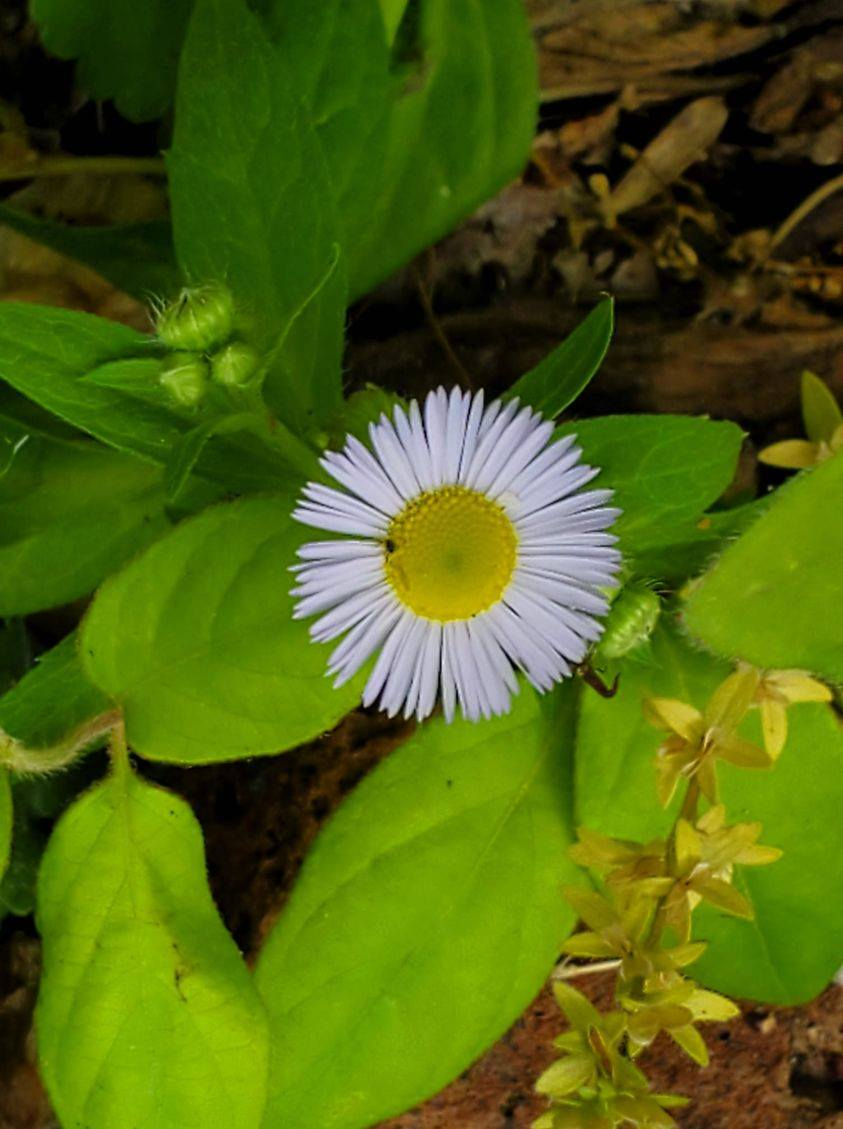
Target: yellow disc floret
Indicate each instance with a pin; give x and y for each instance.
(450, 553)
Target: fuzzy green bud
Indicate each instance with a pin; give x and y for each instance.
(234, 365)
(631, 621)
(201, 318)
(185, 377)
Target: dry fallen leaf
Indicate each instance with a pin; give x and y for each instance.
(683, 141)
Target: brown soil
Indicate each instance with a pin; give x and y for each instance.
(688, 161)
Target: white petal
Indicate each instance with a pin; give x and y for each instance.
(394, 641)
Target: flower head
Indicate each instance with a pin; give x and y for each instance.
(469, 551)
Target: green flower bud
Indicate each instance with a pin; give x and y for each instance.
(234, 365)
(199, 319)
(185, 376)
(631, 621)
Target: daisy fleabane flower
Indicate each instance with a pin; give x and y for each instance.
(468, 552)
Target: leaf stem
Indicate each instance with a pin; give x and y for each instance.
(95, 166)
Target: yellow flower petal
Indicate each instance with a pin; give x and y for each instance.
(797, 686)
(792, 454)
(774, 726)
(676, 716)
(820, 411)
(742, 753)
(728, 704)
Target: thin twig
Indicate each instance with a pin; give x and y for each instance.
(436, 328)
(807, 206)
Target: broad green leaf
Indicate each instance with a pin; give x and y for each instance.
(70, 513)
(6, 819)
(676, 560)
(136, 257)
(774, 597)
(53, 701)
(246, 165)
(420, 131)
(20, 416)
(557, 381)
(793, 946)
(461, 127)
(103, 378)
(665, 471)
(383, 977)
(146, 1012)
(126, 51)
(196, 640)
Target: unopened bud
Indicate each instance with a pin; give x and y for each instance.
(631, 621)
(201, 318)
(185, 376)
(234, 365)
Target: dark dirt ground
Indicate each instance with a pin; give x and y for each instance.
(690, 160)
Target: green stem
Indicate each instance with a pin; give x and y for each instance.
(95, 166)
(118, 749)
(18, 757)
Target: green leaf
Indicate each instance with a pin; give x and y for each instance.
(774, 596)
(126, 51)
(103, 378)
(196, 640)
(70, 513)
(53, 701)
(791, 951)
(146, 1013)
(6, 819)
(393, 13)
(136, 257)
(792, 948)
(557, 381)
(417, 134)
(665, 471)
(459, 130)
(383, 977)
(246, 165)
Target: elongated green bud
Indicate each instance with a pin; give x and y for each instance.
(234, 365)
(631, 621)
(185, 376)
(201, 318)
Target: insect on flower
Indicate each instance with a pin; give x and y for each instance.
(470, 551)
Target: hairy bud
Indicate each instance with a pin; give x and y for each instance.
(234, 365)
(201, 318)
(185, 377)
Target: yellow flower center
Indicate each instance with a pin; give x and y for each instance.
(450, 553)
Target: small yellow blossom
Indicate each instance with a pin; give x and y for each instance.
(778, 689)
(823, 421)
(697, 739)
